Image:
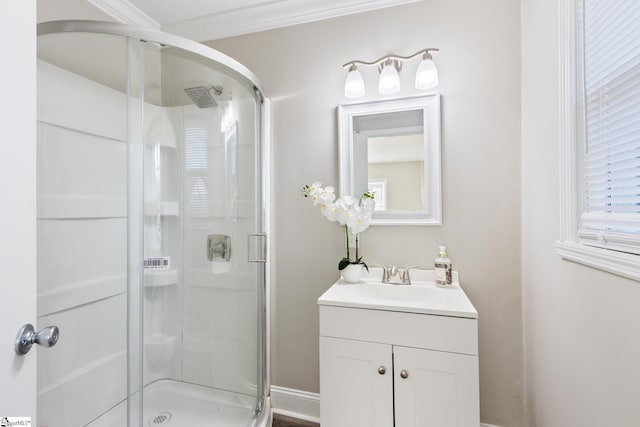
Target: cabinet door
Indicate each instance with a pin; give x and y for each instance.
(356, 383)
(440, 389)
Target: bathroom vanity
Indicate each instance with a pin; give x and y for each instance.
(398, 355)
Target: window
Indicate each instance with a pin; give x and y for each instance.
(379, 188)
(601, 134)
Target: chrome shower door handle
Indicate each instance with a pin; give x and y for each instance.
(27, 336)
(257, 247)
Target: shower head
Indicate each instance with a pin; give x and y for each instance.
(201, 95)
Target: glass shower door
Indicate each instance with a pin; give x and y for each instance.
(202, 295)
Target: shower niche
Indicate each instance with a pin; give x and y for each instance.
(145, 149)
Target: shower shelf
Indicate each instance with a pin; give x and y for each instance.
(158, 278)
(161, 209)
(159, 339)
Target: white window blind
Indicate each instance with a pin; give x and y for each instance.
(608, 123)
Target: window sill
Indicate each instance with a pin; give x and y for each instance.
(622, 264)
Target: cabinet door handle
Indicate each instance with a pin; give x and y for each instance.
(382, 370)
(404, 374)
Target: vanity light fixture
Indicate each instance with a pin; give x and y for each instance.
(427, 74)
(389, 81)
(354, 85)
(389, 67)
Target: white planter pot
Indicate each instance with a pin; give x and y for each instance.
(352, 273)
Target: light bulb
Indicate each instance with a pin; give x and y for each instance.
(427, 74)
(389, 81)
(354, 84)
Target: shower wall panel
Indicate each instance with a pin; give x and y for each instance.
(81, 246)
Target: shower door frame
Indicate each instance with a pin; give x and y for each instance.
(262, 160)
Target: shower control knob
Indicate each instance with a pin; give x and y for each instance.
(382, 370)
(404, 374)
(27, 336)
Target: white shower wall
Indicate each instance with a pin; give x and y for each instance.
(82, 241)
(200, 318)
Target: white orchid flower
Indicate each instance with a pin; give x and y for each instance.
(315, 188)
(359, 223)
(348, 200)
(348, 216)
(330, 211)
(327, 194)
(368, 205)
(351, 216)
(354, 214)
(341, 210)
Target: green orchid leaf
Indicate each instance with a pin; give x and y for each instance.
(343, 263)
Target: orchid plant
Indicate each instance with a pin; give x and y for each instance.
(354, 214)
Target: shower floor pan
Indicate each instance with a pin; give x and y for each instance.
(171, 403)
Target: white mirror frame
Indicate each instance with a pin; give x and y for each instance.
(430, 106)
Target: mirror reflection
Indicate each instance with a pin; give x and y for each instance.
(393, 148)
(391, 145)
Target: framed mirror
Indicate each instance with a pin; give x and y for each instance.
(392, 147)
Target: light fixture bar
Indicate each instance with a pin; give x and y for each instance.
(389, 67)
(390, 57)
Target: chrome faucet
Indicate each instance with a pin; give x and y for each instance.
(405, 278)
(389, 272)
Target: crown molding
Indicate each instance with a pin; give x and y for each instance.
(125, 12)
(270, 16)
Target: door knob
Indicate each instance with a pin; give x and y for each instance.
(27, 336)
(404, 374)
(382, 370)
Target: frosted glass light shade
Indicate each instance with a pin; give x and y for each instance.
(427, 74)
(354, 84)
(389, 81)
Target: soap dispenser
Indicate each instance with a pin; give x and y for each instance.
(442, 268)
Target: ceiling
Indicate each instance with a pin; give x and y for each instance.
(204, 20)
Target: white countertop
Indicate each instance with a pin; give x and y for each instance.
(422, 296)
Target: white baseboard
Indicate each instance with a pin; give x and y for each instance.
(302, 404)
(295, 403)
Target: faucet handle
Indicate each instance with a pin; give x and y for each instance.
(385, 272)
(405, 278)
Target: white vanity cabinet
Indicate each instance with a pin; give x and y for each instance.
(440, 389)
(381, 366)
(356, 383)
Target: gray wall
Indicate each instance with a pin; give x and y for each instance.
(300, 68)
(69, 9)
(582, 333)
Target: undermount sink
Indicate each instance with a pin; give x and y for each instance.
(422, 296)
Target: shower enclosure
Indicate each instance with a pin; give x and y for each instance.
(151, 231)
